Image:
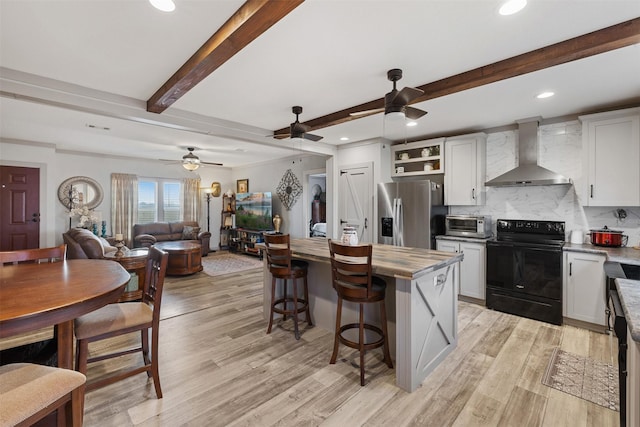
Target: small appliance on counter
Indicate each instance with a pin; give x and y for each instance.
(468, 226)
(608, 237)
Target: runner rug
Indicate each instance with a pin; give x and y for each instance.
(583, 377)
(219, 263)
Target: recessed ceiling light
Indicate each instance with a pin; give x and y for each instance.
(344, 138)
(545, 95)
(412, 123)
(512, 6)
(163, 5)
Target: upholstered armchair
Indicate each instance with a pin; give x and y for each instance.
(83, 244)
(145, 235)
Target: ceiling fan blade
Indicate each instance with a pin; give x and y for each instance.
(361, 113)
(280, 135)
(413, 113)
(312, 137)
(406, 95)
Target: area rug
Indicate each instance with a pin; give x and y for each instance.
(583, 377)
(219, 263)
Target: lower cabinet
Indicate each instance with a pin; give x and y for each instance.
(584, 284)
(472, 267)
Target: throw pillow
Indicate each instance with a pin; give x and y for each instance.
(190, 233)
(106, 246)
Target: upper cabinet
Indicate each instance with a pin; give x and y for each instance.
(611, 155)
(465, 163)
(417, 158)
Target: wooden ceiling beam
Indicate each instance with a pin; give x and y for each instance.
(617, 36)
(252, 19)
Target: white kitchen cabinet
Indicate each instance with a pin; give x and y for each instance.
(611, 155)
(633, 381)
(584, 282)
(472, 267)
(465, 165)
(417, 158)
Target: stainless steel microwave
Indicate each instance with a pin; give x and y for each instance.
(468, 226)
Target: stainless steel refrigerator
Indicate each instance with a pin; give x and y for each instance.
(411, 213)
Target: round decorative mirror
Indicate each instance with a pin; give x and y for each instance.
(80, 191)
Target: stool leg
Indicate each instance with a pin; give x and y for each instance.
(336, 340)
(273, 298)
(383, 318)
(361, 342)
(306, 298)
(295, 308)
(284, 293)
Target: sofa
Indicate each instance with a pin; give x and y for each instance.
(83, 244)
(145, 235)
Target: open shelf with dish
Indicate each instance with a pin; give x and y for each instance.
(418, 158)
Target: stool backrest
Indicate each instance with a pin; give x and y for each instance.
(278, 251)
(36, 256)
(351, 264)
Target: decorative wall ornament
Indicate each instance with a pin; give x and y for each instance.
(80, 191)
(289, 189)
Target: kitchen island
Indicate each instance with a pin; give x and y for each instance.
(421, 300)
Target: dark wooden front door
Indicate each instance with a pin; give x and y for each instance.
(20, 211)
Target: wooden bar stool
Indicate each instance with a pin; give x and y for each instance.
(353, 281)
(281, 266)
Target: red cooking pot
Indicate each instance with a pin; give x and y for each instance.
(606, 237)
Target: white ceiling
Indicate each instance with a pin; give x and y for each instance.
(69, 64)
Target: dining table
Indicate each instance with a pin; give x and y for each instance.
(34, 296)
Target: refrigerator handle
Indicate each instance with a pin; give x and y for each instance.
(400, 229)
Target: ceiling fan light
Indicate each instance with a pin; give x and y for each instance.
(394, 116)
(163, 5)
(190, 166)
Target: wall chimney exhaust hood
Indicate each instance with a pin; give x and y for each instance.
(528, 172)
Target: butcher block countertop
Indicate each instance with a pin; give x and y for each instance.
(392, 261)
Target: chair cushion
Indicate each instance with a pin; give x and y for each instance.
(27, 388)
(112, 317)
(378, 287)
(190, 233)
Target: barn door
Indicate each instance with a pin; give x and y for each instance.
(20, 211)
(356, 201)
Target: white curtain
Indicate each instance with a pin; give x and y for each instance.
(124, 205)
(191, 202)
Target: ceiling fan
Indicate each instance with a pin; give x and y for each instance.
(397, 102)
(190, 161)
(298, 130)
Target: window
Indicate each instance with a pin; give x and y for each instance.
(159, 200)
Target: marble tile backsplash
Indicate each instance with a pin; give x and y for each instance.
(560, 149)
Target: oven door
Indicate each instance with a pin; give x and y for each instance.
(500, 268)
(538, 270)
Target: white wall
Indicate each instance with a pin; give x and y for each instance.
(267, 177)
(55, 167)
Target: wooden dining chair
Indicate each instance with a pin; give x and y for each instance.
(123, 318)
(29, 392)
(39, 256)
(352, 279)
(283, 268)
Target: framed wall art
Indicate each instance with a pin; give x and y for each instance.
(242, 186)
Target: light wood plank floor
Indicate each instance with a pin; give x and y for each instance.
(218, 368)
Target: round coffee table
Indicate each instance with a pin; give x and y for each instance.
(185, 257)
(134, 261)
